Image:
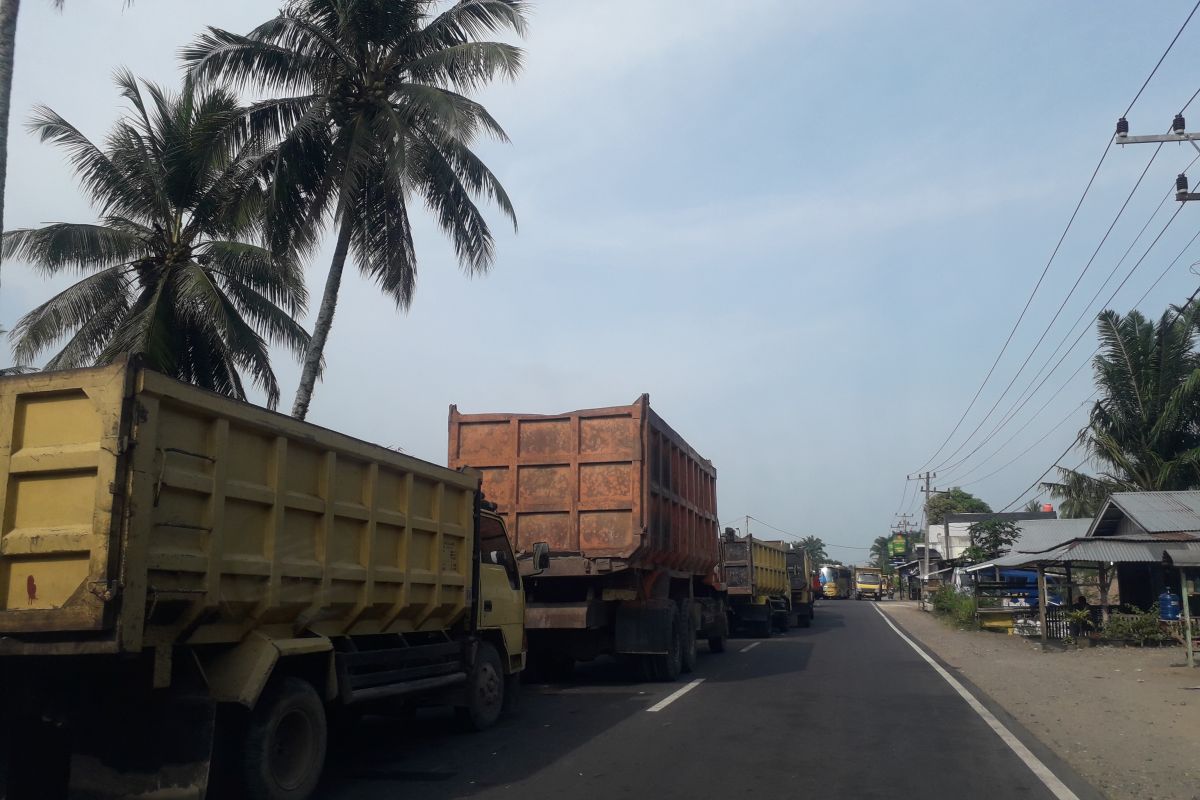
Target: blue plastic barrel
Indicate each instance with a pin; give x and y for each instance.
(1169, 606)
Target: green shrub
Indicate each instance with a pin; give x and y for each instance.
(953, 606)
(1133, 625)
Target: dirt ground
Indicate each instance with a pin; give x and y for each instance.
(1127, 719)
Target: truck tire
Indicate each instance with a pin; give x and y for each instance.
(285, 744)
(485, 690)
(687, 639)
(665, 668)
(804, 617)
(716, 644)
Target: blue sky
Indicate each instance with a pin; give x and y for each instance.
(804, 228)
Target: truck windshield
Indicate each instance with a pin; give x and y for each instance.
(868, 578)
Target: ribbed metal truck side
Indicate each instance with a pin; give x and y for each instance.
(628, 509)
(756, 580)
(171, 559)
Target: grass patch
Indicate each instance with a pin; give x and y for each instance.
(954, 607)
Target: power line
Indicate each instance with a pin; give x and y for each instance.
(1054, 464)
(798, 536)
(1058, 246)
(1045, 436)
(1050, 324)
(1161, 58)
(1024, 310)
(1026, 394)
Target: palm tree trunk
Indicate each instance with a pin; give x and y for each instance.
(316, 345)
(8, 44)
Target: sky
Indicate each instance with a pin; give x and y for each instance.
(804, 228)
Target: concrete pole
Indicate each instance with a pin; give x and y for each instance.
(1187, 619)
(1103, 595)
(1042, 598)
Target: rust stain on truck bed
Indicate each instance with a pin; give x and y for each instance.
(615, 482)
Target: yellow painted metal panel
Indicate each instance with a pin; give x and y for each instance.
(61, 438)
(770, 567)
(237, 518)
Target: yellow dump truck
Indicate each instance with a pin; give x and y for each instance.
(868, 582)
(175, 564)
(757, 583)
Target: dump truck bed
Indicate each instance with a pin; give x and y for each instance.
(613, 483)
(755, 567)
(136, 509)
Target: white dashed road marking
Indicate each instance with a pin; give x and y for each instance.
(675, 695)
(749, 647)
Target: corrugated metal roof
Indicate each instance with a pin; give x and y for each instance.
(1042, 534)
(1161, 512)
(1126, 549)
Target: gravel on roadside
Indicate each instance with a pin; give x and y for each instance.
(1127, 719)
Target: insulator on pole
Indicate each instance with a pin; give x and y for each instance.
(1122, 128)
(1178, 125)
(1181, 187)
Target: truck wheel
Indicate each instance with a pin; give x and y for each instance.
(687, 640)
(286, 740)
(804, 618)
(666, 667)
(485, 690)
(716, 644)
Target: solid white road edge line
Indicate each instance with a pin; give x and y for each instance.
(1051, 781)
(675, 695)
(749, 647)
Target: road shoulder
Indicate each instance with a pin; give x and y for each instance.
(1000, 673)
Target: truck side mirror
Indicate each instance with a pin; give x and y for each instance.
(541, 557)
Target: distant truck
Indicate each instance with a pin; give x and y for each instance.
(183, 570)
(628, 509)
(800, 578)
(756, 580)
(836, 581)
(868, 582)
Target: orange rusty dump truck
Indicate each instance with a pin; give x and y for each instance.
(175, 564)
(628, 509)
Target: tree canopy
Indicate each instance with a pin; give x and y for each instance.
(172, 270)
(370, 104)
(991, 539)
(1143, 432)
(815, 549)
(954, 501)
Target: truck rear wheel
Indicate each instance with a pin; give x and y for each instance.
(286, 739)
(485, 690)
(716, 644)
(667, 666)
(687, 639)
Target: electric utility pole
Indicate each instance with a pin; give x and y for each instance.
(927, 491)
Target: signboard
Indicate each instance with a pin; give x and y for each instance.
(898, 545)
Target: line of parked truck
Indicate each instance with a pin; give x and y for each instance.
(194, 591)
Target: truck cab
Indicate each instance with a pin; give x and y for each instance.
(868, 583)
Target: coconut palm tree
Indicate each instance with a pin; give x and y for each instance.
(1143, 433)
(172, 271)
(371, 110)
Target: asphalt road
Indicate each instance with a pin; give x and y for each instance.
(845, 708)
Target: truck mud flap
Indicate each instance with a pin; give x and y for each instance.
(162, 750)
(644, 627)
